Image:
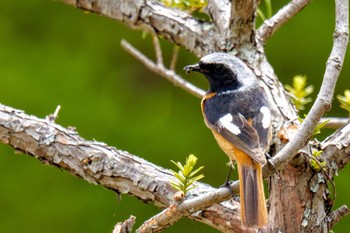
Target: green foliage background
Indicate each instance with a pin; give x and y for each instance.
(51, 54)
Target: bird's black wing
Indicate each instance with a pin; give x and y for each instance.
(246, 127)
(238, 130)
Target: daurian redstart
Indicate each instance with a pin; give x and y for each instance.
(236, 110)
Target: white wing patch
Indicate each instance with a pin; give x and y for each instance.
(266, 117)
(226, 122)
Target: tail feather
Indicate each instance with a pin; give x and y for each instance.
(253, 206)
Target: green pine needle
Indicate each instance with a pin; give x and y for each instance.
(299, 92)
(268, 9)
(345, 100)
(185, 177)
(318, 127)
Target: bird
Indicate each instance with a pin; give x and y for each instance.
(237, 111)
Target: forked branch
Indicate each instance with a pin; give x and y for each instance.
(161, 70)
(271, 25)
(325, 95)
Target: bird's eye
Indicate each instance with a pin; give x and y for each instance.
(218, 69)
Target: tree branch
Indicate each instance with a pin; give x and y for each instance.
(334, 122)
(337, 215)
(114, 169)
(117, 170)
(162, 71)
(149, 15)
(219, 11)
(242, 19)
(336, 150)
(124, 227)
(268, 28)
(176, 211)
(325, 96)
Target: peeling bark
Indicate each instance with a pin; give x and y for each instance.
(114, 169)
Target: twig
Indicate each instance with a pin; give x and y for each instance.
(161, 70)
(152, 16)
(114, 169)
(124, 227)
(334, 122)
(324, 99)
(271, 25)
(158, 51)
(337, 215)
(174, 58)
(54, 116)
(334, 148)
(161, 221)
(175, 212)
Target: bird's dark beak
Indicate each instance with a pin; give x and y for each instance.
(190, 68)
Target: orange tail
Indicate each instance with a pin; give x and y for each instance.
(253, 206)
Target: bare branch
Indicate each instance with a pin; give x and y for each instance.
(54, 116)
(337, 215)
(334, 122)
(175, 212)
(161, 70)
(271, 25)
(158, 51)
(116, 170)
(93, 161)
(161, 221)
(124, 227)
(149, 15)
(325, 96)
(336, 150)
(174, 58)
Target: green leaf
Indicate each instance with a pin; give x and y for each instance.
(318, 127)
(198, 177)
(345, 100)
(178, 165)
(196, 171)
(299, 92)
(268, 9)
(185, 177)
(261, 14)
(315, 163)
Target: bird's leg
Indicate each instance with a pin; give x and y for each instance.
(268, 157)
(227, 181)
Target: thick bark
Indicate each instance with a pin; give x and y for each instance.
(114, 169)
(303, 193)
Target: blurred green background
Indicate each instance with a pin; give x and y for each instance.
(51, 54)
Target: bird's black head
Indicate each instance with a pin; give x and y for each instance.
(223, 71)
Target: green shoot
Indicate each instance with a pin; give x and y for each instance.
(186, 5)
(185, 177)
(268, 8)
(261, 14)
(345, 100)
(318, 127)
(314, 163)
(299, 92)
